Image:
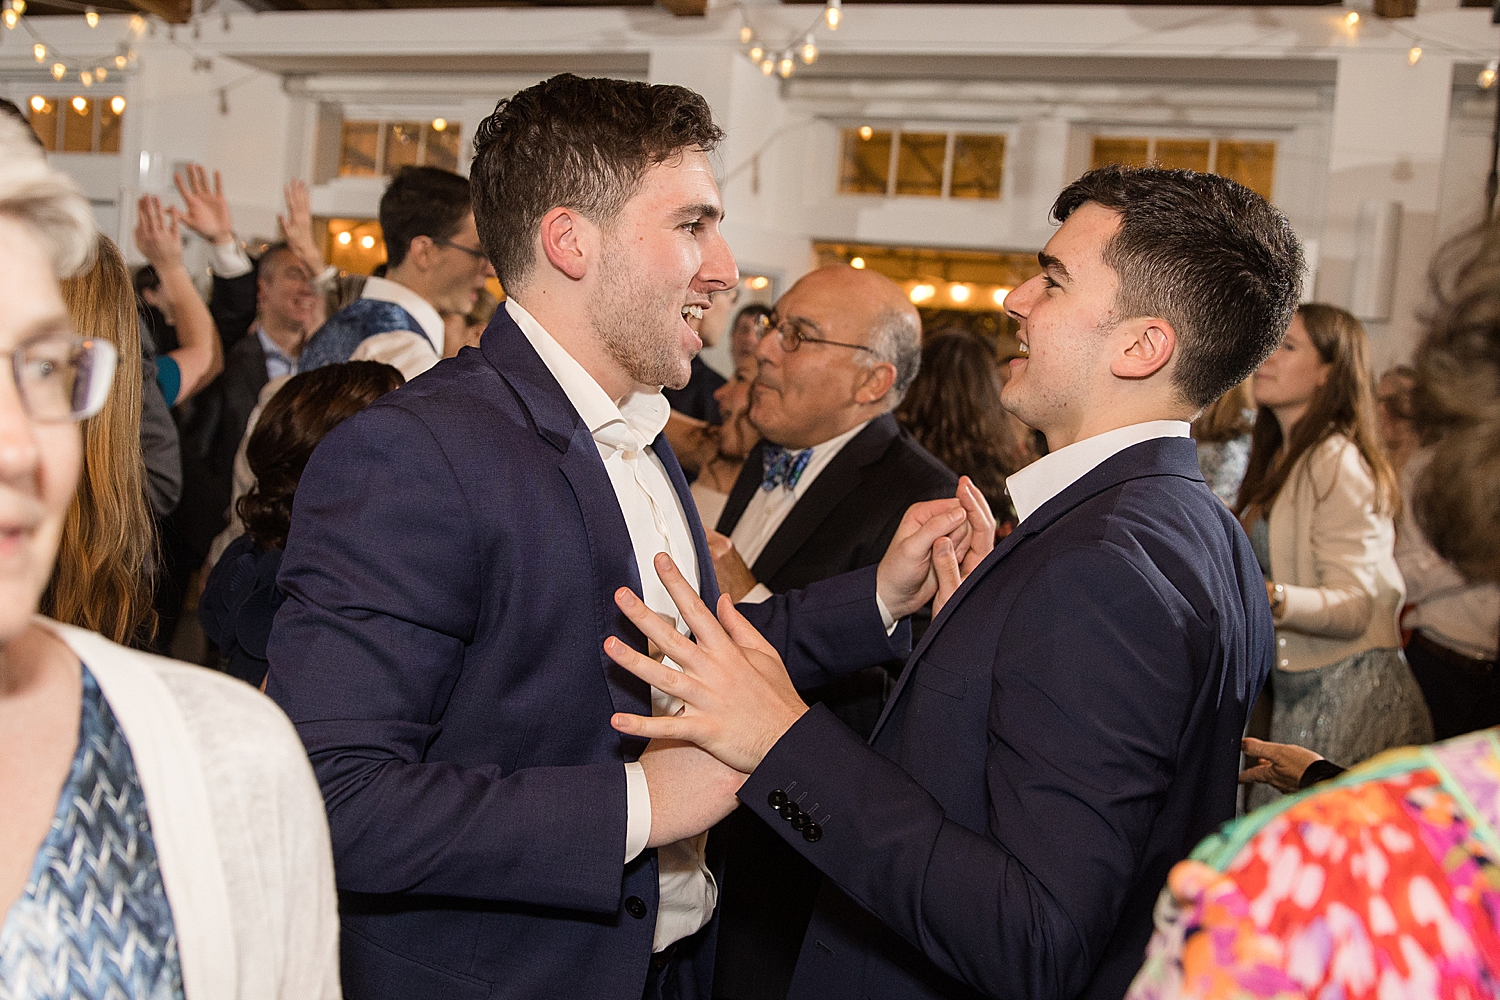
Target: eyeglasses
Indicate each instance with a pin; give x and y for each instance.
(789, 333)
(476, 254)
(62, 377)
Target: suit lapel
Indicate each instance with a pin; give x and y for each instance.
(837, 480)
(1158, 456)
(745, 485)
(611, 553)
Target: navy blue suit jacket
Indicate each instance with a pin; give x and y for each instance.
(449, 575)
(1067, 729)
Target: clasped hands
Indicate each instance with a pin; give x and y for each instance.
(738, 700)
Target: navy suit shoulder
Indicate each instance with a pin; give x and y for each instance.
(1066, 730)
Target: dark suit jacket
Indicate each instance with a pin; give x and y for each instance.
(696, 399)
(449, 583)
(844, 521)
(1067, 729)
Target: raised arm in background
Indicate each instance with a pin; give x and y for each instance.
(199, 358)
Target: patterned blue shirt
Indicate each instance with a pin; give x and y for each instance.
(93, 922)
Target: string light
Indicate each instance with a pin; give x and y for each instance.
(1488, 74)
(1351, 19)
(59, 71)
(345, 238)
(81, 105)
(865, 132)
(39, 52)
(92, 17)
(786, 65)
(858, 263)
(959, 293)
(809, 50)
(368, 242)
(757, 53)
(439, 124)
(768, 66)
(833, 14)
(117, 104)
(121, 62)
(101, 74)
(999, 296)
(86, 78)
(11, 18)
(1413, 55)
(759, 282)
(747, 34)
(137, 24)
(19, 6)
(921, 293)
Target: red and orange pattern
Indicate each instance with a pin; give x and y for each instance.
(1384, 884)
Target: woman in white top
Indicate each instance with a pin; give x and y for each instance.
(161, 834)
(1319, 500)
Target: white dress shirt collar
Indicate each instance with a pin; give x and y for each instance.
(1048, 476)
(642, 417)
(385, 290)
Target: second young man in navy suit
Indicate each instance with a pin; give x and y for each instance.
(1069, 726)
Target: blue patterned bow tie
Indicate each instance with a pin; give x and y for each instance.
(782, 467)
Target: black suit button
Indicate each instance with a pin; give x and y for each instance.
(635, 906)
(812, 833)
(776, 799)
(800, 821)
(788, 810)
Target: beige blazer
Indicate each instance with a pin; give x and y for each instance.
(1334, 554)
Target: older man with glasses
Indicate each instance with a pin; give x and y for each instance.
(821, 495)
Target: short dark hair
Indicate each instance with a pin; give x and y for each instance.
(295, 419)
(421, 201)
(581, 144)
(9, 107)
(1209, 256)
(270, 253)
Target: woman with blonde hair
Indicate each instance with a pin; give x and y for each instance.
(128, 868)
(102, 580)
(1319, 500)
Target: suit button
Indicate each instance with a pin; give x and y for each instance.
(812, 833)
(776, 799)
(800, 821)
(788, 810)
(635, 906)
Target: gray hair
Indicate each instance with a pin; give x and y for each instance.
(896, 339)
(45, 200)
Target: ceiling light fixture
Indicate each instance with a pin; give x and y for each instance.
(91, 16)
(833, 14)
(117, 104)
(59, 71)
(858, 263)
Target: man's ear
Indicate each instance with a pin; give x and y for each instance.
(419, 252)
(569, 241)
(1146, 346)
(876, 382)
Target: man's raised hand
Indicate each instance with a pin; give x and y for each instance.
(738, 699)
(952, 568)
(207, 210)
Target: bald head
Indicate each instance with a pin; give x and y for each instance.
(863, 307)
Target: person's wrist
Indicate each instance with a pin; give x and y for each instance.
(1278, 601)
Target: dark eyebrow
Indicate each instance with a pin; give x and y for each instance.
(703, 211)
(1051, 263)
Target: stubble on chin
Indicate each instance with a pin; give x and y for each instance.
(619, 313)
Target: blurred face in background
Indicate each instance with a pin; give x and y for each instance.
(737, 435)
(460, 269)
(39, 460)
(1291, 377)
(287, 297)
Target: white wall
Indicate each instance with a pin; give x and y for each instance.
(1353, 121)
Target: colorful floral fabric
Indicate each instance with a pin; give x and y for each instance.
(1383, 884)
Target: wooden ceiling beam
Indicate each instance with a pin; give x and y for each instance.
(686, 8)
(171, 11)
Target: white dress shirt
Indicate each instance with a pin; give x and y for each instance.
(766, 511)
(1048, 476)
(657, 523)
(1446, 608)
(410, 352)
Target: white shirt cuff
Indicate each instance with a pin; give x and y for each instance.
(637, 811)
(885, 614)
(758, 594)
(229, 260)
(329, 276)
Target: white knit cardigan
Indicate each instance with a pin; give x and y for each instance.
(240, 831)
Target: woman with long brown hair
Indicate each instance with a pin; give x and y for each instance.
(102, 581)
(1319, 500)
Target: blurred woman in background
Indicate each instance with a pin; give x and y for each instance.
(1223, 434)
(1319, 501)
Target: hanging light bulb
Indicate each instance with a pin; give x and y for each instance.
(757, 53)
(368, 242)
(858, 263)
(921, 293)
(1413, 55)
(833, 14)
(19, 6)
(809, 50)
(786, 65)
(1488, 74)
(117, 104)
(998, 295)
(439, 124)
(959, 293)
(59, 71)
(345, 238)
(11, 18)
(1351, 19)
(768, 66)
(39, 52)
(747, 33)
(137, 23)
(86, 78)
(81, 105)
(101, 74)
(121, 62)
(91, 16)
(38, 103)
(865, 132)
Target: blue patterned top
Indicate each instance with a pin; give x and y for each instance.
(93, 922)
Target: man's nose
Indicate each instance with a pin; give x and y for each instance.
(1019, 302)
(718, 268)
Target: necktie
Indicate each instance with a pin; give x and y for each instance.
(782, 467)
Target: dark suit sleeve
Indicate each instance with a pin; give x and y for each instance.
(383, 579)
(829, 629)
(232, 304)
(1083, 725)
